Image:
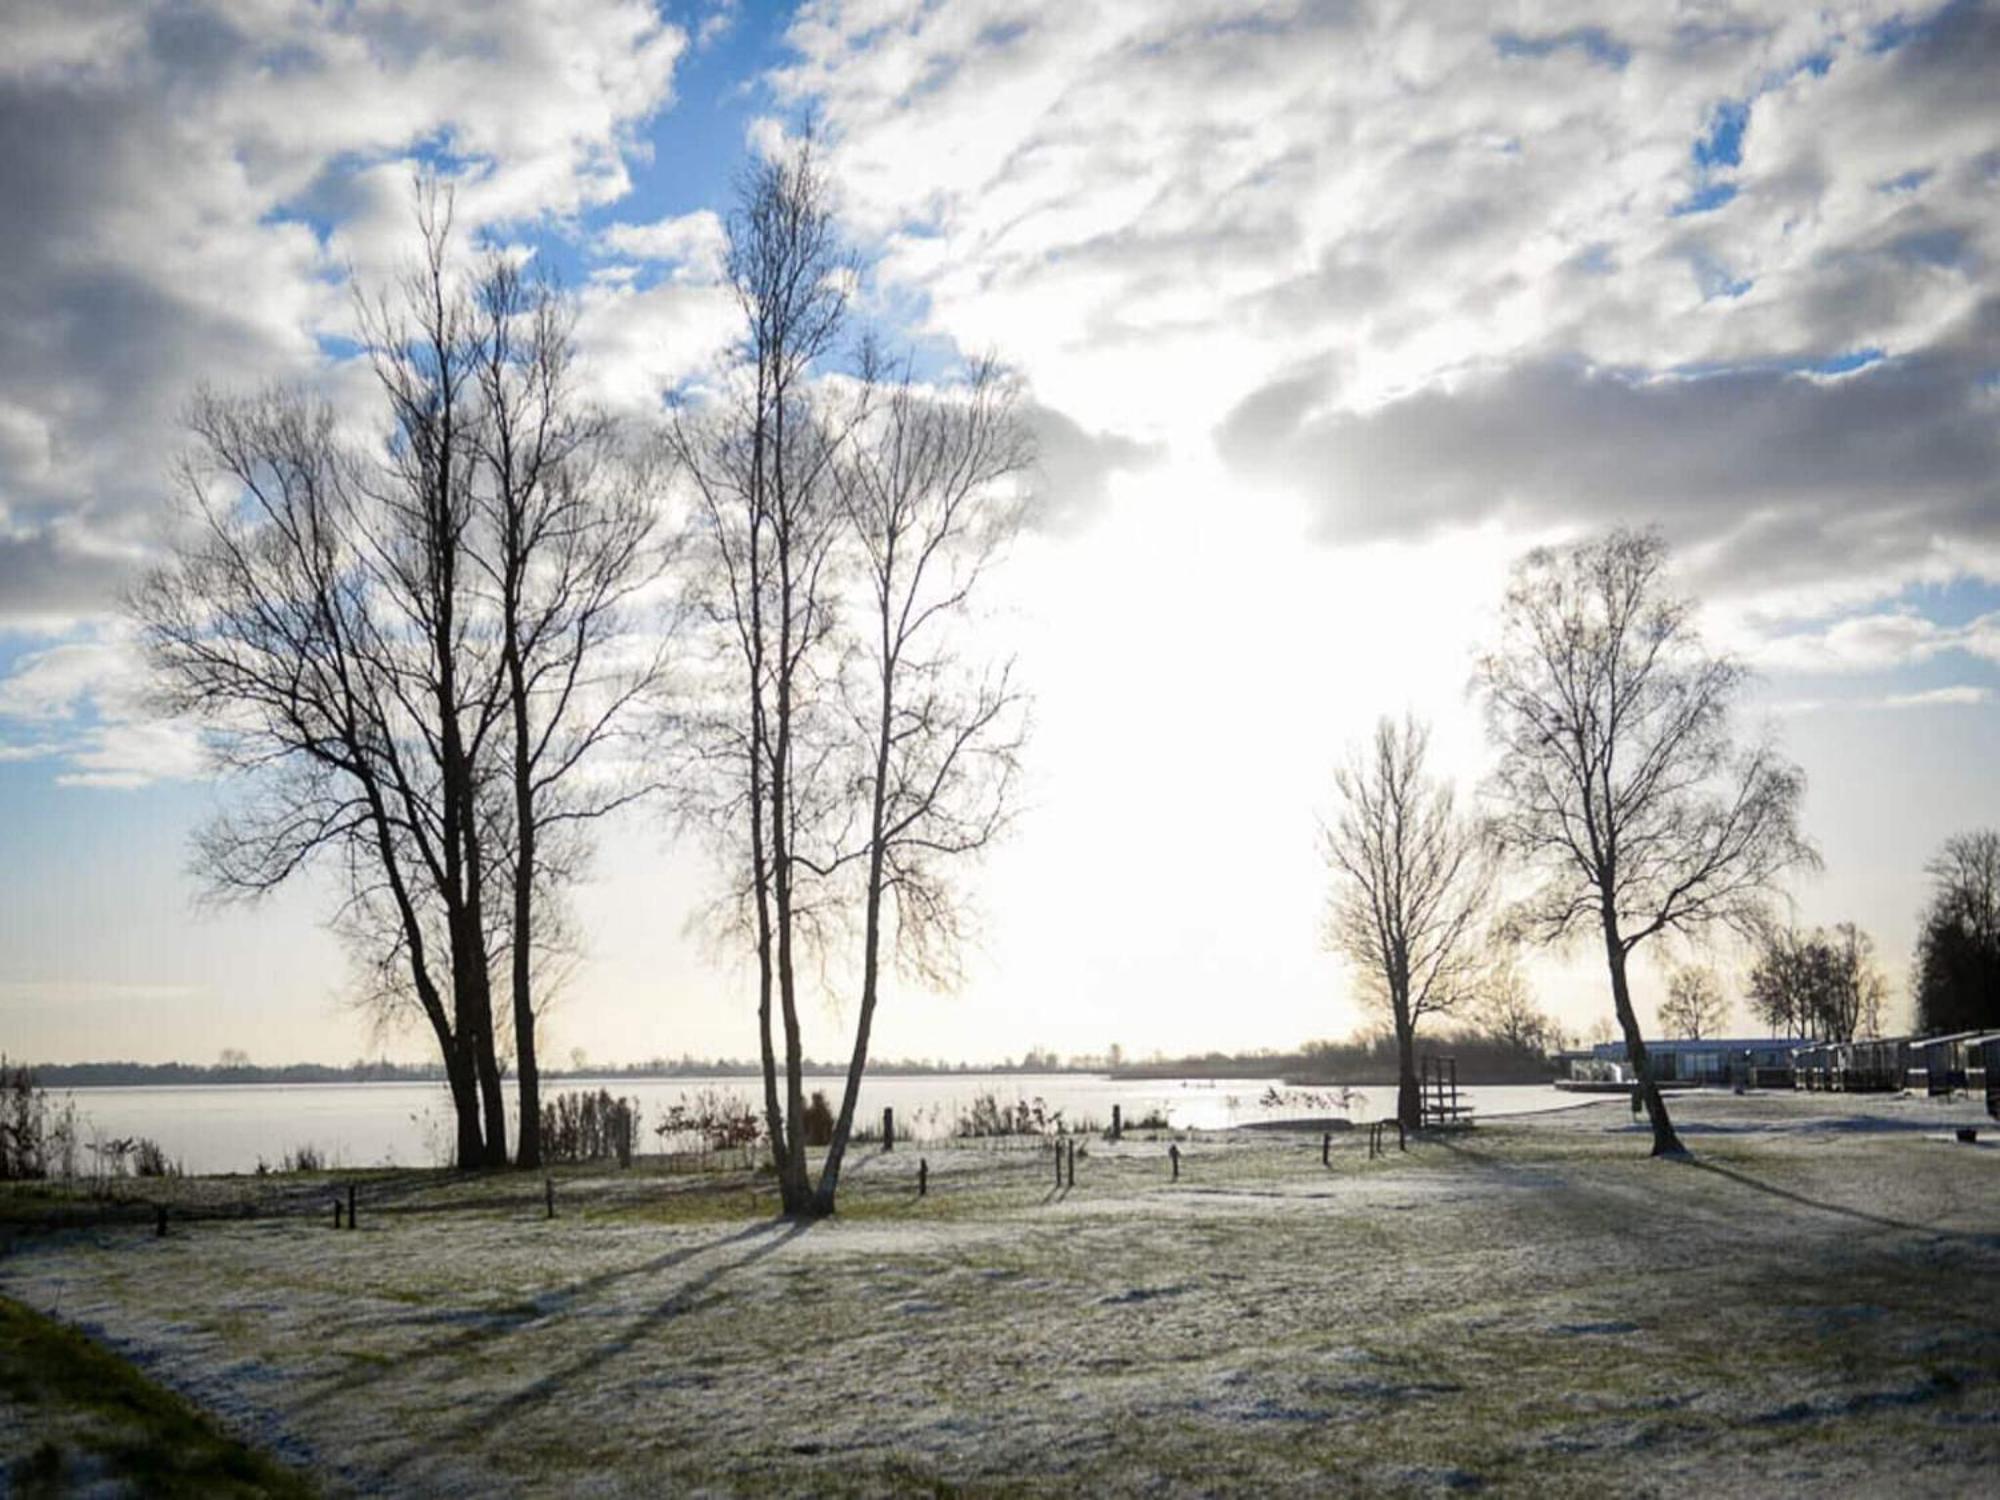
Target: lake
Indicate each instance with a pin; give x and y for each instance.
(234, 1127)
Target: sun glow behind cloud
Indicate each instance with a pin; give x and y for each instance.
(1325, 313)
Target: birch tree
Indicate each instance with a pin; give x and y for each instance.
(757, 458)
(1620, 787)
(927, 481)
(1411, 889)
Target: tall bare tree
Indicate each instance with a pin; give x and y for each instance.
(1694, 1006)
(263, 628)
(758, 459)
(410, 655)
(1412, 887)
(565, 544)
(1620, 784)
(926, 483)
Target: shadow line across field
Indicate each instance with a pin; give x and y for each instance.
(1907, 1226)
(551, 1303)
(590, 1361)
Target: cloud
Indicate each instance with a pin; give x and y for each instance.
(84, 703)
(694, 243)
(1945, 697)
(1732, 273)
(1879, 642)
(186, 185)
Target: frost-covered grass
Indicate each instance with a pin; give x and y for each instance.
(1530, 1307)
(75, 1419)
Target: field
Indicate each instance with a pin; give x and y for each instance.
(1813, 1304)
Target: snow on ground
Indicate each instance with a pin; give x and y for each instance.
(1814, 1303)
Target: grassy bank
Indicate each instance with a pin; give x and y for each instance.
(1534, 1307)
(79, 1419)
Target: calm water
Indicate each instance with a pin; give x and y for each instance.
(230, 1128)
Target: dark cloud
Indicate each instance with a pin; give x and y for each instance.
(1783, 474)
(1074, 467)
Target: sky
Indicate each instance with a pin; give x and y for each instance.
(1325, 312)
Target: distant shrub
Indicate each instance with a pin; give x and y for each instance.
(987, 1116)
(148, 1160)
(718, 1119)
(306, 1158)
(819, 1120)
(37, 1139)
(582, 1126)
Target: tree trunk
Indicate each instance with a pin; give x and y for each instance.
(465, 1105)
(1665, 1142)
(528, 1150)
(1409, 1096)
(871, 945)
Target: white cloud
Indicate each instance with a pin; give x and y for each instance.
(166, 169)
(1409, 261)
(1945, 697)
(1878, 642)
(693, 243)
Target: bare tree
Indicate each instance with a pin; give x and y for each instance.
(1694, 1006)
(1821, 984)
(1411, 889)
(413, 656)
(1957, 972)
(263, 628)
(1619, 782)
(565, 544)
(925, 483)
(769, 519)
(1505, 1010)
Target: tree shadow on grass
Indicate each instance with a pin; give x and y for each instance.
(498, 1325)
(1908, 1226)
(588, 1365)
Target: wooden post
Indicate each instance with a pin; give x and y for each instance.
(350, 1205)
(1326, 1149)
(1174, 1156)
(1117, 1123)
(549, 1197)
(160, 1224)
(888, 1128)
(923, 1177)
(1059, 1146)
(1072, 1163)
(336, 1211)
(1402, 1135)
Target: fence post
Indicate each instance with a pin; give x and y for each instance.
(923, 1177)
(1117, 1123)
(1059, 1146)
(1174, 1156)
(549, 1197)
(1326, 1149)
(1072, 1163)
(350, 1205)
(336, 1211)
(1402, 1135)
(888, 1128)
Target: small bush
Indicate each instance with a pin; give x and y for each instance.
(583, 1126)
(987, 1116)
(306, 1158)
(719, 1119)
(819, 1120)
(37, 1139)
(148, 1160)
